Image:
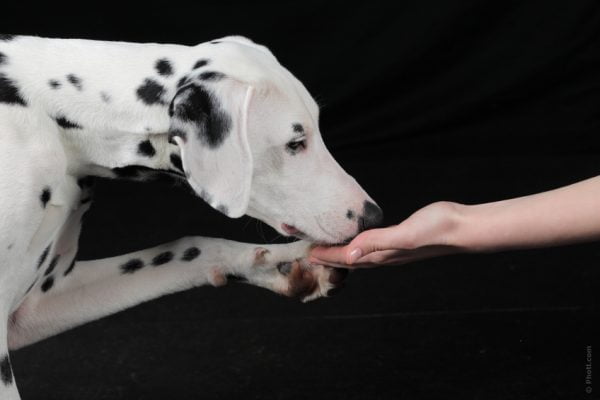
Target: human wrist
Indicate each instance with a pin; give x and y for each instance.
(438, 224)
(460, 221)
(476, 228)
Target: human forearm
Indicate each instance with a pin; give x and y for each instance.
(561, 216)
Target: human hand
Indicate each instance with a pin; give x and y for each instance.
(427, 233)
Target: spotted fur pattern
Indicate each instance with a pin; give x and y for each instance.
(143, 112)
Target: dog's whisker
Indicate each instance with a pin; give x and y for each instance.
(260, 231)
(277, 237)
(246, 224)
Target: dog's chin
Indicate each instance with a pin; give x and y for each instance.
(332, 242)
(291, 231)
(299, 235)
(319, 241)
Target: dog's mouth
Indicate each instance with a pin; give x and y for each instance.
(292, 230)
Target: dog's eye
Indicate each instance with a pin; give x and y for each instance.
(295, 146)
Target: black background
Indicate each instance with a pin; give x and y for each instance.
(428, 100)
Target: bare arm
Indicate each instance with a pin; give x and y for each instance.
(566, 215)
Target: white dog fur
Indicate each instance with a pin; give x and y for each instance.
(223, 116)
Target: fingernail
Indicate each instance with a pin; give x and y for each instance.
(355, 255)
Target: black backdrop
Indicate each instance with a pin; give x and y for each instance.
(426, 100)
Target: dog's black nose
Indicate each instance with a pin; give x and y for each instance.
(372, 217)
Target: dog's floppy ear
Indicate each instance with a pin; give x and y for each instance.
(209, 124)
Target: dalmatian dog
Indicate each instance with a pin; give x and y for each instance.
(223, 117)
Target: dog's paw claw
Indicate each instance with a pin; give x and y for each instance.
(260, 255)
(284, 267)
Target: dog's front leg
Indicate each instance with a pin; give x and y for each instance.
(94, 289)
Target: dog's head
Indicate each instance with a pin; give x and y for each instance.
(250, 144)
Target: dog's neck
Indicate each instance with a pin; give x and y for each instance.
(130, 156)
(108, 100)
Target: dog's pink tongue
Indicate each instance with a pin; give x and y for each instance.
(290, 229)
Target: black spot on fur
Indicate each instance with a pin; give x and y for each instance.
(201, 63)
(176, 161)
(45, 196)
(2, 58)
(105, 97)
(52, 265)
(31, 286)
(66, 123)
(75, 81)
(298, 128)
(132, 265)
(71, 267)
(9, 93)
(195, 104)
(211, 76)
(54, 84)
(182, 81)
(350, 214)
(47, 284)
(162, 258)
(177, 132)
(215, 42)
(192, 104)
(6, 371)
(43, 256)
(86, 182)
(6, 37)
(190, 254)
(145, 148)
(164, 67)
(151, 92)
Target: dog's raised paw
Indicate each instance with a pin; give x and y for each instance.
(285, 269)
